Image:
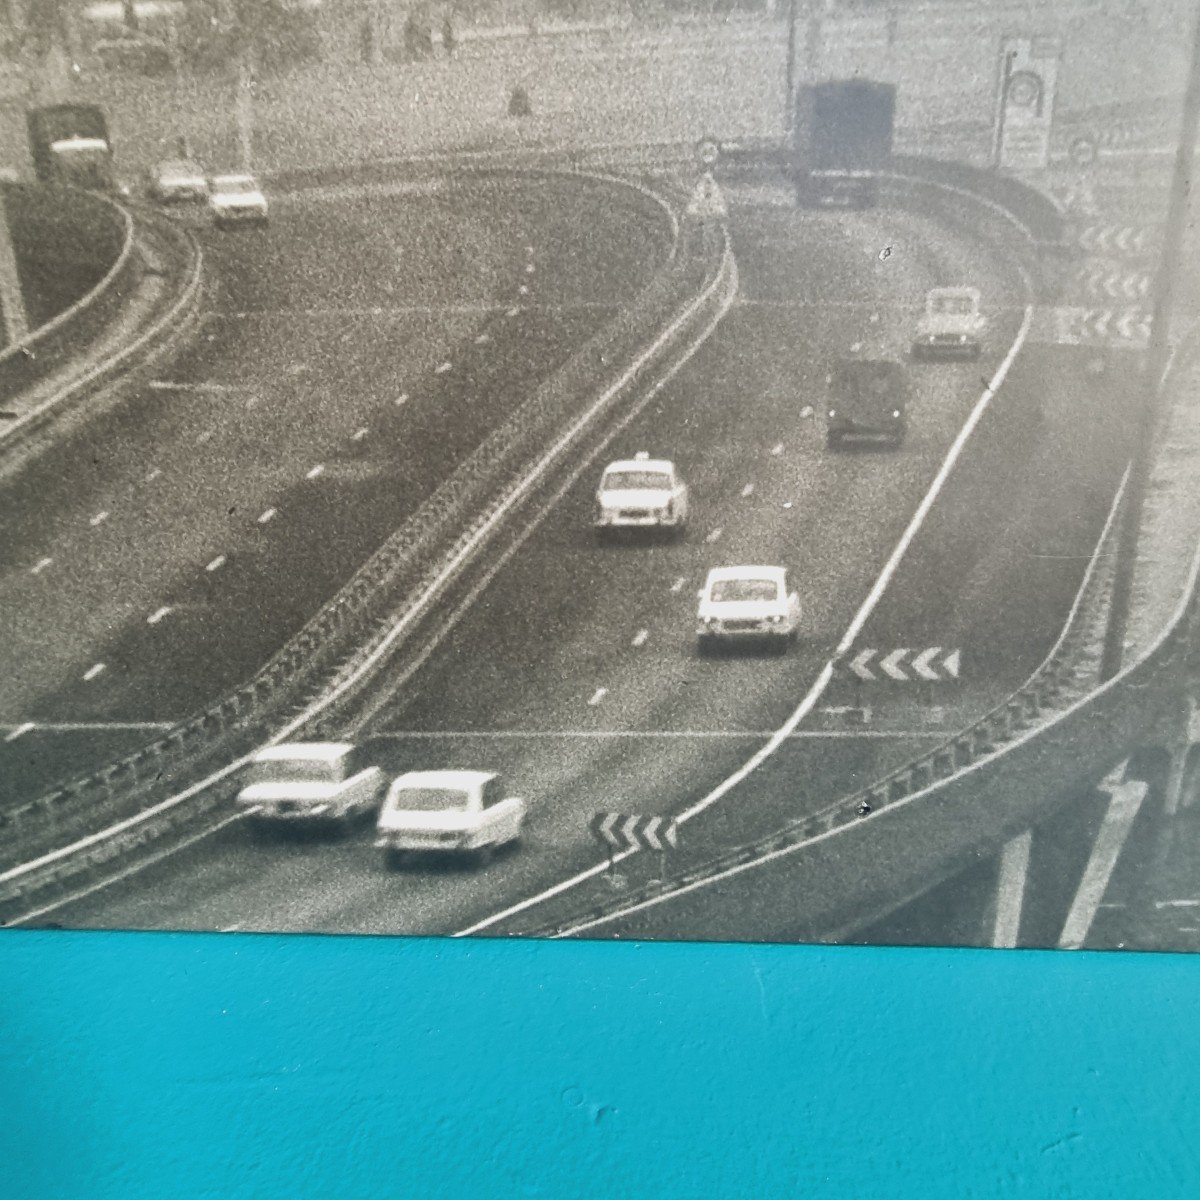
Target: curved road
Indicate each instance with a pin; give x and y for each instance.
(574, 673)
(354, 353)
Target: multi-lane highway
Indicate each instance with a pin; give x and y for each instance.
(574, 671)
(350, 356)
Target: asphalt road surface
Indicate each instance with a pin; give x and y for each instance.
(355, 351)
(575, 674)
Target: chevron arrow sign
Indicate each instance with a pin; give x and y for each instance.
(906, 665)
(618, 831)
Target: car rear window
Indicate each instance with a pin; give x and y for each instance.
(874, 383)
(630, 480)
(297, 770)
(961, 306)
(732, 590)
(429, 800)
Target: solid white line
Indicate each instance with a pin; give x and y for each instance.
(163, 385)
(216, 564)
(639, 638)
(95, 726)
(810, 700)
(753, 735)
(155, 617)
(1126, 799)
(20, 731)
(1010, 890)
(98, 519)
(38, 568)
(442, 368)
(597, 696)
(92, 672)
(316, 471)
(269, 515)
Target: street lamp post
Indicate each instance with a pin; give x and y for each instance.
(1157, 358)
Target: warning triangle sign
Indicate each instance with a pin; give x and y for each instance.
(706, 200)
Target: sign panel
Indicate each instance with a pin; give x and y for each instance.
(1025, 104)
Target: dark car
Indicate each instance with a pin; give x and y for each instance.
(867, 398)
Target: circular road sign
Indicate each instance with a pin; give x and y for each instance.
(1082, 151)
(708, 151)
(1024, 89)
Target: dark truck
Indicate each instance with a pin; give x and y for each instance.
(868, 397)
(841, 139)
(69, 144)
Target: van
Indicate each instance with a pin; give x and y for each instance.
(867, 398)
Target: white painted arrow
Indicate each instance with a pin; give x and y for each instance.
(951, 663)
(858, 664)
(891, 664)
(921, 664)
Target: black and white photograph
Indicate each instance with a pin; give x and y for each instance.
(656, 470)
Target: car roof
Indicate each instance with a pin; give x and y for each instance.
(463, 780)
(286, 751)
(90, 143)
(716, 574)
(178, 164)
(640, 464)
(968, 293)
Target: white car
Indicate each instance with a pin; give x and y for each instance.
(234, 199)
(747, 603)
(327, 782)
(457, 812)
(178, 179)
(641, 493)
(952, 325)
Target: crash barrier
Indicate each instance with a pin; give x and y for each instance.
(165, 790)
(155, 246)
(54, 343)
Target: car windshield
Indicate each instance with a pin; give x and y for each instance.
(632, 480)
(954, 306)
(297, 770)
(418, 799)
(729, 590)
(236, 187)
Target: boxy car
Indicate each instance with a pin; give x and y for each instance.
(952, 325)
(867, 398)
(747, 604)
(311, 782)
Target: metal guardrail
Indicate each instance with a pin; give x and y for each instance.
(169, 784)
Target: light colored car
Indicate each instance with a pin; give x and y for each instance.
(327, 782)
(178, 179)
(747, 603)
(952, 325)
(457, 812)
(641, 493)
(235, 199)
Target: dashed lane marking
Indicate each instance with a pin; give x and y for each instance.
(359, 435)
(269, 515)
(639, 638)
(401, 399)
(529, 268)
(597, 696)
(512, 312)
(92, 672)
(167, 385)
(158, 614)
(677, 586)
(316, 471)
(482, 339)
(152, 474)
(98, 519)
(777, 449)
(714, 535)
(522, 290)
(748, 490)
(442, 367)
(20, 731)
(216, 564)
(39, 567)
(206, 436)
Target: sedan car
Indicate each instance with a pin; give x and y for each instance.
(868, 398)
(641, 493)
(747, 603)
(952, 325)
(236, 200)
(178, 179)
(310, 782)
(453, 812)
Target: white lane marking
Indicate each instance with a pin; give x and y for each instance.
(95, 726)
(252, 401)
(748, 490)
(597, 696)
(92, 672)
(1010, 890)
(206, 436)
(417, 610)
(401, 399)
(528, 249)
(482, 338)
(1168, 904)
(158, 614)
(316, 471)
(230, 928)
(20, 731)
(40, 566)
(98, 519)
(677, 586)
(777, 449)
(512, 312)
(216, 564)
(1126, 800)
(165, 385)
(152, 474)
(749, 735)
(442, 367)
(522, 290)
(529, 268)
(806, 705)
(359, 434)
(714, 535)
(639, 638)
(269, 515)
